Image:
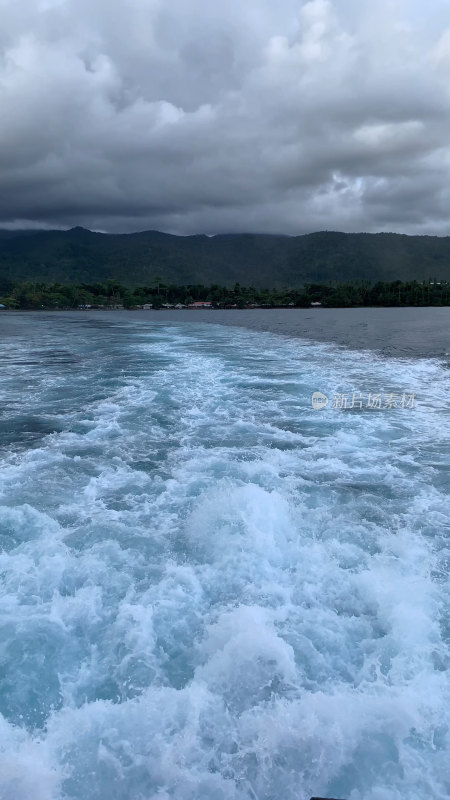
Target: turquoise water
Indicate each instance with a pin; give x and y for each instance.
(210, 591)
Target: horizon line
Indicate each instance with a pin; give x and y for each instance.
(18, 231)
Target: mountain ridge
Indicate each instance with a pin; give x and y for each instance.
(81, 255)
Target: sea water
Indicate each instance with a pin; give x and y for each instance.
(209, 590)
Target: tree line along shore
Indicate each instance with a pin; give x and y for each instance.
(113, 294)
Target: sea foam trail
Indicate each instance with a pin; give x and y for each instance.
(211, 591)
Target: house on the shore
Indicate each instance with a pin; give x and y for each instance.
(201, 304)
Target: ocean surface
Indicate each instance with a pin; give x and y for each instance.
(209, 589)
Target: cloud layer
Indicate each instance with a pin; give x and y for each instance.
(192, 117)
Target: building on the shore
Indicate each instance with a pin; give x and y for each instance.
(201, 304)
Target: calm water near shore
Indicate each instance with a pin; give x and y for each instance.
(423, 332)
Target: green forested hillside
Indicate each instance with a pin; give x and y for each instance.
(261, 260)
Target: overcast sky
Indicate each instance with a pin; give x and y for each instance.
(213, 116)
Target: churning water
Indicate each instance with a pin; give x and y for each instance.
(209, 590)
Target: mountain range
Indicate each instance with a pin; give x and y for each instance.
(79, 255)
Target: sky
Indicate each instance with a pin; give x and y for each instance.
(187, 116)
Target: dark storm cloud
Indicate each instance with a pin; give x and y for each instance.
(194, 117)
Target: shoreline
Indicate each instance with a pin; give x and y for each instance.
(194, 310)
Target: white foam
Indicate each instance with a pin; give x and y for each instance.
(212, 591)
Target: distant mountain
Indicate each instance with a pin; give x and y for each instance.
(79, 255)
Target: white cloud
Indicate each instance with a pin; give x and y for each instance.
(187, 116)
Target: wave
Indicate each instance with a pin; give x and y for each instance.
(209, 589)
